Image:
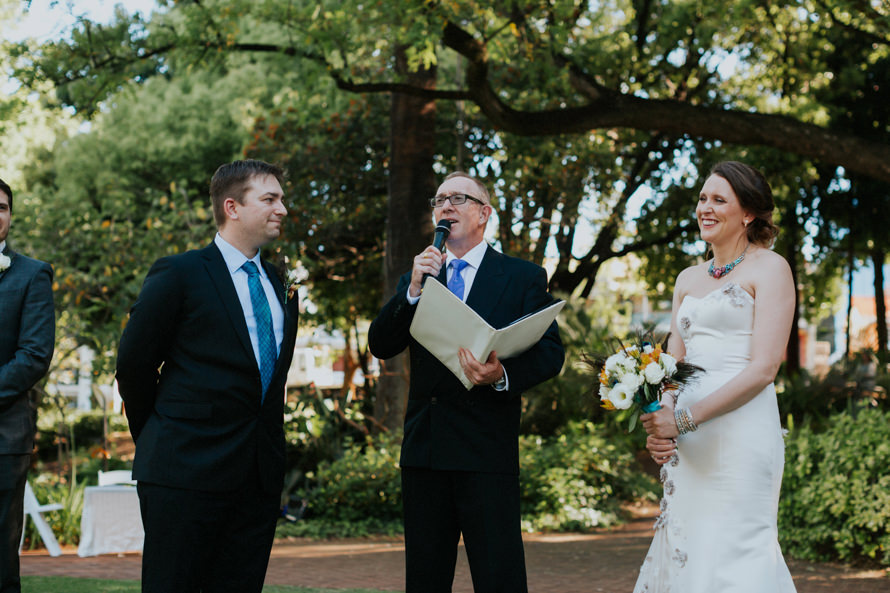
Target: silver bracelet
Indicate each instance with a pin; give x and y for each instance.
(683, 418)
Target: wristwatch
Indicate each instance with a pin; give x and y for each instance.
(500, 384)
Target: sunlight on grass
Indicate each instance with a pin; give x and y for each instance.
(33, 584)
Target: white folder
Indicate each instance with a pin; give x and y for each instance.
(443, 323)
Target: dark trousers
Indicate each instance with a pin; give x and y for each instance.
(209, 542)
(439, 506)
(13, 475)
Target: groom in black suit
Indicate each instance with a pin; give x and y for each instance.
(27, 337)
(201, 369)
(460, 458)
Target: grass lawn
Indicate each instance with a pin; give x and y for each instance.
(31, 584)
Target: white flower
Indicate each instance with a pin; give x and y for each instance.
(668, 363)
(629, 364)
(604, 392)
(654, 373)
(612, 362)
(5, 262)
(622, 396)
(648, 349)
(633, 381)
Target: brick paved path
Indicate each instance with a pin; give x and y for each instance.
(557, 563)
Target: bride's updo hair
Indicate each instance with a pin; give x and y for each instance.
(755, 197)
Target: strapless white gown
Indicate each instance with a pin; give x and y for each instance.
(717, 529)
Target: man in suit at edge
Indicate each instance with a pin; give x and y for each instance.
(27, 338)
(201, 368)
(460, 458)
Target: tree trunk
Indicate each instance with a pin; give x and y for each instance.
(409, 225)
(877, 258)
(792, 352)
(850, 263)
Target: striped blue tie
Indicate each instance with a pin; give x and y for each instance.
(265, 333)
(456, 282)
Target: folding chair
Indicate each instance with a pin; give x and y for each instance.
(34, 508)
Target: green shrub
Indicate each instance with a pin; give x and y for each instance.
(835, 502)
(578, 480)
(363, 484)
(75, 427)
(574, 481)
(327, 529)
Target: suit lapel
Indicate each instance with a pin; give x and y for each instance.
(488, 285)
(272, 273)
(222, 281)
(11, 255)
(443, 276)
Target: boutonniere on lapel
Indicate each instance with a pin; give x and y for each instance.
(5, 262)
(292, 284)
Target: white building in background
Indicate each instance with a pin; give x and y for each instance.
(318, 360)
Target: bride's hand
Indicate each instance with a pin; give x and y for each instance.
(660, 424)
(661, 450)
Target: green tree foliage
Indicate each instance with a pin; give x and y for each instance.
(336, 201)
(131, 189)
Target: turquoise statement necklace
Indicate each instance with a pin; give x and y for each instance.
(716, 272)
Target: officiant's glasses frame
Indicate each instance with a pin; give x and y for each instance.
(456, 200)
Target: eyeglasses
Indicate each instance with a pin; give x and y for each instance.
(456, 200)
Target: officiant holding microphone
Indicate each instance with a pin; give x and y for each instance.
(460, 453)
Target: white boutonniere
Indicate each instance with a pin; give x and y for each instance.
(292, 282)
(5, 262)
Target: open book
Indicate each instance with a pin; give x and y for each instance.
(443, 323)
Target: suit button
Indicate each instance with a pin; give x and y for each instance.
(433, 400)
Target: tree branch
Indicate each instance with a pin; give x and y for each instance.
(616, 110)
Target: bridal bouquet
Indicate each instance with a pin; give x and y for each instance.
(637, 374)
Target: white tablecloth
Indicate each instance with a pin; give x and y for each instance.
(111, 522)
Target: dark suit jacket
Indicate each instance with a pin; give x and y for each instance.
(191, 384)
(446, 426)
(27, 337)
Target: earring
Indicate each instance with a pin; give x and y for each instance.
(746, 222)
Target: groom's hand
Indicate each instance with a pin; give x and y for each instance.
(479, 373)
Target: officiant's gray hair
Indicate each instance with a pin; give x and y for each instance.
(482, 189)
(232, 180)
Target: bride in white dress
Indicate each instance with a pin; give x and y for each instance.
(720, 444)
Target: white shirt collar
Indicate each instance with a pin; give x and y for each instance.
(235, 259)
(2, 245)
(473, 257)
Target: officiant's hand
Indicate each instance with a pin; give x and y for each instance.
(478, 373)
(429, 261)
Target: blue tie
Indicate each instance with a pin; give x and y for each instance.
(264, 332)
(456, 283)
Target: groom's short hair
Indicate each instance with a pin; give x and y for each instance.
(231, 181)
(4, 187)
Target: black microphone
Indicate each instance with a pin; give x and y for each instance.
(443, 229)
